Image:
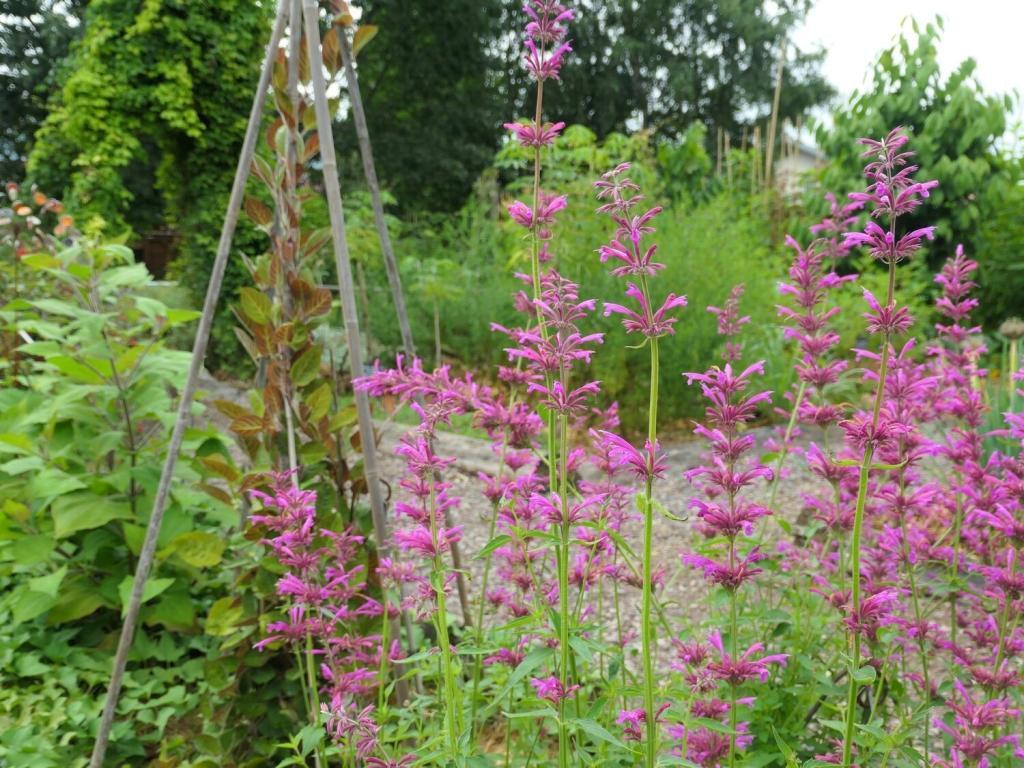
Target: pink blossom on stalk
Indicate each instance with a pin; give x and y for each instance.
(747, 666)
(542, 64)
(620, 192)
(730, 323)
(550, 689)
(840, 219)
(973, 726)
(730, 575)
(547, 20)
(650, 324)
(633, 720)
(549, 206)
(891, 319)
(646, 463)
(532, 135)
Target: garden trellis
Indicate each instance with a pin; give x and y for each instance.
(288, 15)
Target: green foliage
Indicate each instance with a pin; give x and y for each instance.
(83, 432)
(432, 110)
(147, 128)
(704, 224)
(956, 129)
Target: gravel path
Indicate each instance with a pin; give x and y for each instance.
(685, 588)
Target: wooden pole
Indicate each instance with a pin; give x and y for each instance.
(772, 125)
(148, 551)
(390, 263)
(343, 264)
(370, 172)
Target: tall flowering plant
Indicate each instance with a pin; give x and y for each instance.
(891, 192)
(327, 600)
(726, 517)
(634, 258)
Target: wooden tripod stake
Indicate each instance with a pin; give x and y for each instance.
(346, 291)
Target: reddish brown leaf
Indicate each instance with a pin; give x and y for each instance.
(258, 211)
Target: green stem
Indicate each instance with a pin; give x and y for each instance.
(784, 450)
(734, 642)
(647, 629)
(314, 697)
(564, 615)
(858, 524)
(452, 708)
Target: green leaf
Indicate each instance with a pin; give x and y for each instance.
(32, 550)
(26, 604)
(493, 544)
(49, 584)
(224, 617)
(57, 307)
(533, 659)
(597, 732)
(174, 610)
(307, 367)
(865, 675)
(199, 549)
(177, 317)
(78, 598)
(256, 305)
(76, 370)
(311, 736)
(83, 511)
(51, 483)
(152, 588)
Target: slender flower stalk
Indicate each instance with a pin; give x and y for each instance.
(620, 197)
(724, 513)
(546, 48)
(891, 192)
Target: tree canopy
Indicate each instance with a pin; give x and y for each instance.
(34, 39)
(438, 86)
(956, 130)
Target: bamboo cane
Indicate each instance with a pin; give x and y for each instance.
(370, 171)
(390, 263)
(770, 149)
(346, 288)
(198, 355)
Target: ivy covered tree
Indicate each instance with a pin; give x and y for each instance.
(147, 127)
(34, 39)
(957, 130)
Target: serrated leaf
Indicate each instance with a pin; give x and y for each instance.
(319, 401)
(256, 305)
(258, 211)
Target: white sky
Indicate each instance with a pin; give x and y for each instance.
(853, 34)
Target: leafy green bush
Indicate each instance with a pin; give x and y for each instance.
(957, 130)
(83, 432)
(711, 239)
